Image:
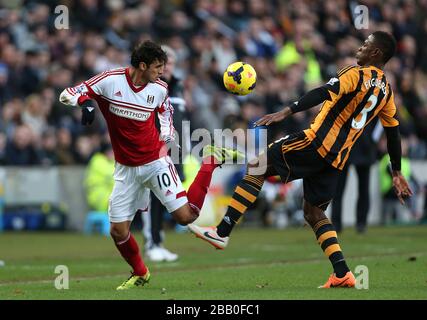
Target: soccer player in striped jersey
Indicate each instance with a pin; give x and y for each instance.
(129, 99)
(350, 100)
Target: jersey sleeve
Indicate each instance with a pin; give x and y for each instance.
(348, 79)
(344, 82)
(388, 114)
(74, 96)
(97, 84)
(90, 89)
(165, 114)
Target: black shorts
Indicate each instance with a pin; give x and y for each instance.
(294, 157)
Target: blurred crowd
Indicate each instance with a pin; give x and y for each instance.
(294, 45)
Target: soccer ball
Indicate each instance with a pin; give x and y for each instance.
(240, 78)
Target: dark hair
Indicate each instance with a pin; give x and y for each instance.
(147, 52)
(386, 43)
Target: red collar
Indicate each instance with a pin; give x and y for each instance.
(129, 79)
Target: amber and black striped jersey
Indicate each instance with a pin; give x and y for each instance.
(357, 96)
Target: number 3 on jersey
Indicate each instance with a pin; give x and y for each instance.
(361, 123)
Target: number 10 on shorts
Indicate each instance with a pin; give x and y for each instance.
(164, 180)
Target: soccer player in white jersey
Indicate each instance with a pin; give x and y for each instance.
(129, 99)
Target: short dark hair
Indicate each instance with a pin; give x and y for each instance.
(386, 43)
(147, 52)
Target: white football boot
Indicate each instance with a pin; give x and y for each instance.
(210, 235)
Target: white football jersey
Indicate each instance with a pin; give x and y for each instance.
(129, 112)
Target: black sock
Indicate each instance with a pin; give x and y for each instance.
(327, 238)
(244, 196)
(341, 268)
(227, 223)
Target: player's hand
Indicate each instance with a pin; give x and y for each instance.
(273, 117)
(401, 186)
(88, 112)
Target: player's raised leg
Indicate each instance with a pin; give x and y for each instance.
(213, 157)
(167, 186)
(243, 197)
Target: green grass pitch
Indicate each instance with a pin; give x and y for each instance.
(258, 264)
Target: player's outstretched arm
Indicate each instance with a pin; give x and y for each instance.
(308, 101)
(77, 96)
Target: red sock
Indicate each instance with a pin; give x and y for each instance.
(130, 252)
(199, 188)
